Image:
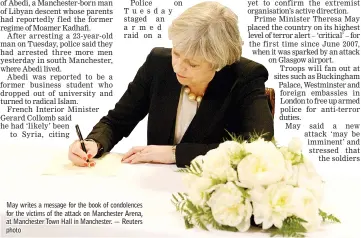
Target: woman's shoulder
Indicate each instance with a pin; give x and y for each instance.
(247, 69)
(162, 52)
(160, 58)
(161, 55)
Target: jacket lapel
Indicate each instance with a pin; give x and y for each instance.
(212, 106)
(168, 103)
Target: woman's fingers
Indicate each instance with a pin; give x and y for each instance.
(129, 158)
(79, 157)
(77, 150)
(91, 148)
(140, 158)
(77, 160)
(134, 157)
(81, 162)
(91, 163)
(132, 151)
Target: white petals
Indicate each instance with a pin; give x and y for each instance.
(230, 208)
(264, 165)
(217, 165)
(239, 180)
(232, 148)
(295, 145)
(273, 205)
(198, 188)
(306, 206)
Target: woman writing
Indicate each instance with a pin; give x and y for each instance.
(194, 94)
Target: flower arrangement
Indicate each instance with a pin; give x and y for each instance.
(276, 188)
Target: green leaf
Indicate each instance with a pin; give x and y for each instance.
(175, 198)
(273, 140)
(328, 217)
(181, 208)
(180, 195)
(186, 170)
(216, 181)
(191, 206)
(255, 136)
(187, 223)
(234, 137)
(193, 169)
(210, 220)
(201, 217)
(198, 167)
(189, 170)
(189, 213)
(237, 157)
(291, 227)
(243, 190)
(194, 214)
(299, 161)
(200, 223)
(179, 202)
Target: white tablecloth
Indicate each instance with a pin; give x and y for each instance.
(152, 185)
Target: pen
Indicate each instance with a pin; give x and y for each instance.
(81, 139)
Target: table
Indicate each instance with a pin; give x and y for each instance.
(149, 184)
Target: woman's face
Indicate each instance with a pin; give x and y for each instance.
(191, 71)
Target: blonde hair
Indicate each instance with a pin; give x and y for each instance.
(209, 30)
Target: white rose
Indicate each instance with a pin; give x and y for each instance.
(188, 179)
(286, 153)
(309, 166)
(217, 165)
(233, 149)
(305, 176)
(259, 146)
(272, 205)
(312, 181)
(306, 207)
(295, 145)
(264, 166)
(291, 176)
(198, 188)
(230, 208)
(295, 158)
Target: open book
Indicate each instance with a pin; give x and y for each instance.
(107, 165)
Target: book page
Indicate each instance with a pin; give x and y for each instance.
(108, 165)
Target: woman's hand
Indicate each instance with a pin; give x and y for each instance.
(161, 154)
(79, 157)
